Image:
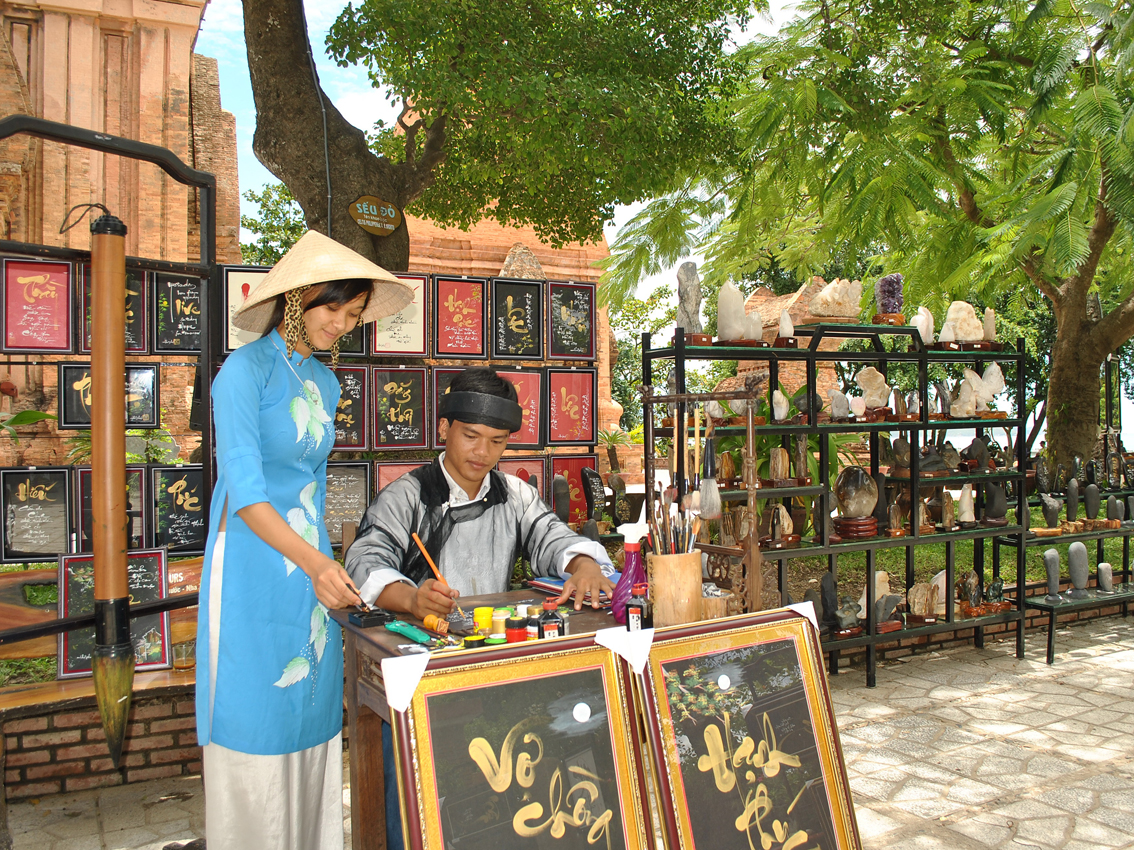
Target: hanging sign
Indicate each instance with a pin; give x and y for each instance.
(375, 216)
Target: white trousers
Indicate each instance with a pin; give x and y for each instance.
(292, 801)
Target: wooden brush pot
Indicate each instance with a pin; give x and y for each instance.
(675, 588)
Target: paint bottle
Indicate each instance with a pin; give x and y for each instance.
(473, 641)
(550, 623)
(482, 620)
(533, 623)
(638, 613)
(499, 618)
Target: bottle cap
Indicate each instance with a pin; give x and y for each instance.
(640, 589)
(495, 640)
(549, 605)
(633, 547)
(516, 624)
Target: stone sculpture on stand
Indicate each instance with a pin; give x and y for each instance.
(1078, 568)
(881, 589)
(1051, 565)
(840, 406)
(989, 324)
(799, 457)
(689, 298)
(888, 293)
(1113, 508)
(966, 326)
(950, 456)
(875, 390)
(977, 453)
(902, 453)
(964, 407)
(847, 614)
(829, 591)
(779, 406)
(858, 406)
(1071, 491)
(1050, 506)
(995, 505)
(923, 321)
(948, 333)
(966, 509)
(778, 462)
(1129, 511)
(838, 298)
(1105, 578)
(1114, 471)
(731, 320)
(948, 512)
(856, 495)
(913, 404)
(1043, 476)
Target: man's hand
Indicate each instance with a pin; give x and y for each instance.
(585, 576)
(433, 597)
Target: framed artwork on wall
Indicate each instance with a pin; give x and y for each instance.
(406, 332)
(738, 710)
(178, 498)
(143, 406)
(529, 393)
(37, 306)
(352, 344)
(526, 466)
(531, 747)
(517, 319)
(348, 495)
(136, 513)
(147, 580)
(239, 281)
(36, 506)
(177, 313)
(571, 468)
(387, 472)
(570, 321)
(352, 416)
(460, 310)
(571, 398)
(442, 377)
(401, 408)
(137, 311)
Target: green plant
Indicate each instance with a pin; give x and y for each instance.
(9, 422)
(156, 442)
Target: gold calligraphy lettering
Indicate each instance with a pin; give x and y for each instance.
(459, 311)
(515, 316)
(39, 286)
(499, 773)
(183, 496)
(402, 392)
(83, 388)
(186, 308)
(570, 404)
(35, 492)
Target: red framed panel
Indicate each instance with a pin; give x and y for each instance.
(524, 467)
(572, 400)
(529, 393)
(387, 472)
(37, 306)
(571, 467)
(460, 317)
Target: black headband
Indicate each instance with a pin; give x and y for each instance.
(482, 409)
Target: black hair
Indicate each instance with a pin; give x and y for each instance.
(334, 292)
(482, 380)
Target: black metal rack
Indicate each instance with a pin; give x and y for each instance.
(877, 355)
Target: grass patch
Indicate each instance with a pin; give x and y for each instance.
(41, 594)
(27, 671)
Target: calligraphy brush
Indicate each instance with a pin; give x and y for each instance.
(710, 490)
(433, 567)
(665, 523)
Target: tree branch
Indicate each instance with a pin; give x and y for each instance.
(1035, 274)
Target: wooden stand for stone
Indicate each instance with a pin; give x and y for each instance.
(675, 588)
(713, 607)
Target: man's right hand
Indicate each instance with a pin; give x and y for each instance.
(433, 597)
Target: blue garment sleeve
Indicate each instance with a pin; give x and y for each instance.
(236, 416)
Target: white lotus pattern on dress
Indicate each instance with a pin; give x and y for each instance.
(308, 414)
(303, 521)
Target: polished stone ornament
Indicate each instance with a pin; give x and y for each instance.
(966, 326)
(1106, 578)
(1051, 507)
(875, 390)
(855, 492)
(888, 293)
(1078, 568)
(838, 298)
(1051, 565)
(840, 406)
(966, 506)
(731, 320)
(923, 321)
(779, 406)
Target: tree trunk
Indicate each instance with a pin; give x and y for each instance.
(290, 141)
(1074, 392)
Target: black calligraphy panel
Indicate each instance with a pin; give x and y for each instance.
(136, 513)
(177, 313)
(142, 402)
(146, 578)
(137, 302)
(571, 321)
(36, 504)
(348, 495)
(517, 319)
(179, 495)
(401, 411)
(352, 413)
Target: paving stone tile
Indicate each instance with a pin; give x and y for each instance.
(929, 809)
(988, 830)
(872, 824)
(1044, 831)
(1077, 800)
(1099, 835)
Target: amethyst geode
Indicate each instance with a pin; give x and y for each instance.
(888, 293)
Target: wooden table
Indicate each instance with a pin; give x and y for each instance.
(367, 708)
(1123, 595)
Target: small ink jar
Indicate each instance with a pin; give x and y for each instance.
(516, 630)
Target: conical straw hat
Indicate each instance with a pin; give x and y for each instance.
(316, 258)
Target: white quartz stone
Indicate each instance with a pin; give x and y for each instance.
(786, 327)
(875, 390)
(990, 324)
(838, 298)
(948, 333)
(923, 321)
(840, 406)
(779, 406)
(966, 507)
(965, 404)
(857, 405)
(966, 326)
(730, 313)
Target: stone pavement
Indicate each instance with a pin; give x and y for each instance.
(957, 750)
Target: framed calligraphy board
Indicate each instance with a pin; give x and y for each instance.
(570, 321)
(571, 398)
(530, 748)
(460, 317)
(525, 466)
(739, 710)
(442, 379)
(177, 313)
(353, 413)
(142, 403)
(147, 580)
(571, 467)
(529, 393)
(401, 409)
(136, 513)
(387, 472)
(348, 495)
(406, 332)
(517, 319)
(179, 517)
(137, 303)
(36, 504)
(239, 281)
(37, 306)
(352, 344)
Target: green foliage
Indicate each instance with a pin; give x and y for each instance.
(9, 422)
(41, 594)
(613, 439)
(27, 671)
(627, 323)
(279, 225)
(554, 111)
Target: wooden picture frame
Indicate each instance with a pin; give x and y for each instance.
(352, 416)
(460, 317)
(561, 709)
(772, 664)
(348, 496)
(37, 306)
(571, 467)
(35, 503)
(143, 403)
(137, 311)
(406, 333)
(525, 466)
(177, 313)
(401, 408)
(179, 494)
(571, 320)
(147, 580)
(441, 378)
(517, 319)
(529, 393)
(137, 513)
(572, 406)
(239, 282)
(387, 472)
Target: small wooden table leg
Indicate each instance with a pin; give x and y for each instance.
(367, 785)
(1051, 638)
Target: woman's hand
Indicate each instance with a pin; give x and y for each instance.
(332, 585)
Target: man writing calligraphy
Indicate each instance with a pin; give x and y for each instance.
(474, 521)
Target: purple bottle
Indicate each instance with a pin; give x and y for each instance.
(632, 573)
